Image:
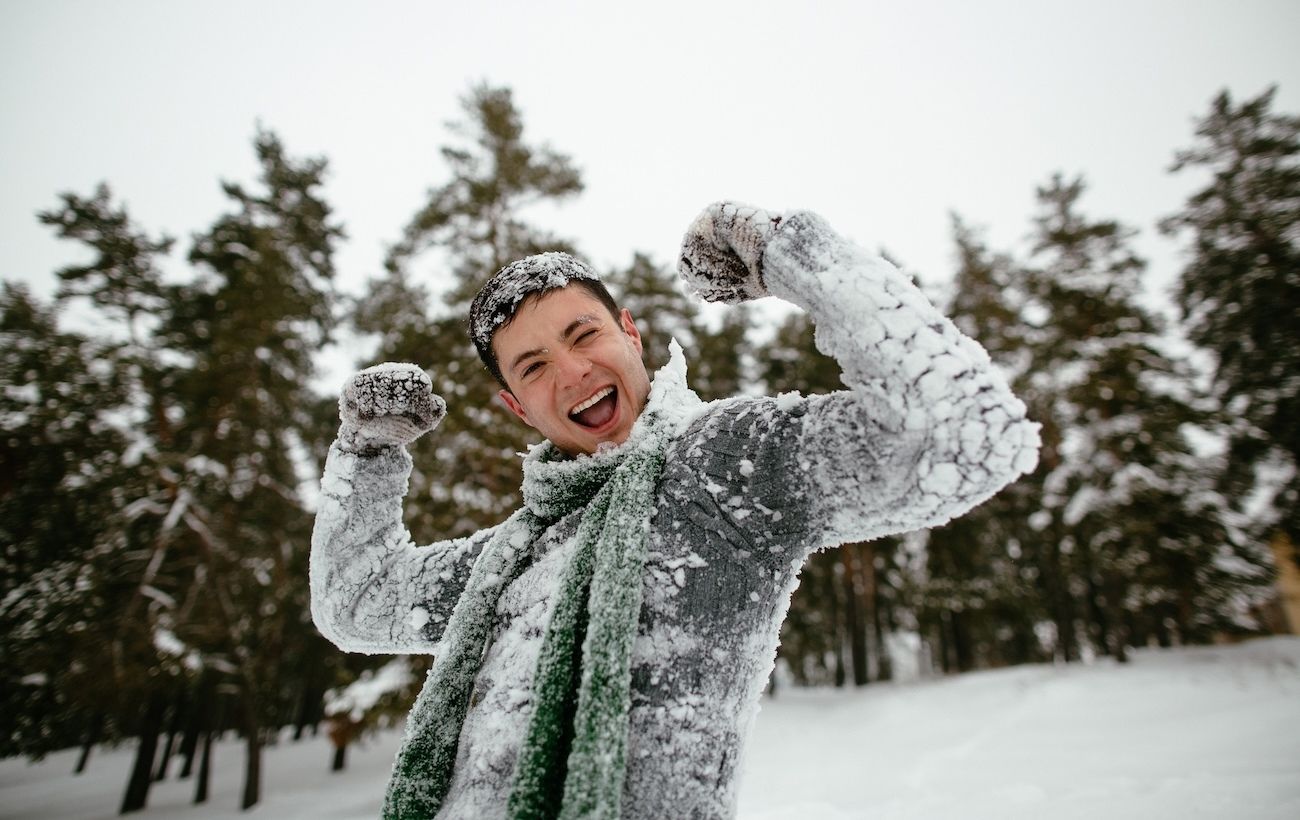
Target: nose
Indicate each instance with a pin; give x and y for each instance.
(572, 367)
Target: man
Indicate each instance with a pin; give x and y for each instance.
(601, 653)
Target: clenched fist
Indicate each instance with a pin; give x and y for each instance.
(722, 252)
(386, 405)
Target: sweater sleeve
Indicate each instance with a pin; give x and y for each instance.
(927, 428)
(372, 590)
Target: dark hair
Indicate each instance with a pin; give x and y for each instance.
(488, 355)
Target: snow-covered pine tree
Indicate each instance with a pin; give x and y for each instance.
(241, 322)
(119, 604)
(720, 367)
(243, 335)
(1131, 543)
(1239, 295)
(62, 475)
(467, 476)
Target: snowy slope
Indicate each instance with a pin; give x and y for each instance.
(1191, 733)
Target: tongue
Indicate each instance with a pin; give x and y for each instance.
(598, 414)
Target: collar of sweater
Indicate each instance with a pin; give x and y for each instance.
(555, 484)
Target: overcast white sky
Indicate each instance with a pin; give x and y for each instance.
(882, 116)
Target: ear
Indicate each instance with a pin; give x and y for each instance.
(515, 407)
(629, 327)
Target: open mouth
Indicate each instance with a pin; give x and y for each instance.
(596, 411)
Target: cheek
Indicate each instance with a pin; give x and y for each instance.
(539, 401)
(631, 352)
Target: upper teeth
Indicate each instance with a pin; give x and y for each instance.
(597, 396)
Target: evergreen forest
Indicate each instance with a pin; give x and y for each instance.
(158, 465)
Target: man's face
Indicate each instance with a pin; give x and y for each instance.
(574, 372)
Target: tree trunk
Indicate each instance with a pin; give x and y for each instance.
(300, 713)
(884, 664)
(1023, 645)
(1065, 633)
(1063, 607)
(945, 651)
(837, 631)
(205, 768)
(340, 758)
(203, 716)
(173, 728)
(1139, 627)
(93, 732)
(165, 757)
(1163, 638)
(213, 708)
(194, 725)
(1119, 633)
(1121, 652)
(961, 642)
(853, 607)
(253, 755)
(1099, 608)
(137, 787)
(309, 705)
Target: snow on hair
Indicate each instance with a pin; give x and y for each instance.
(503, 293)
(499, 299)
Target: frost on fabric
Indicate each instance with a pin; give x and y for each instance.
(418, 618)
(678, 405)
(385, 405)
(501, 703)
(939, 429)
(750, 488)
(381, 397)
(369, 583)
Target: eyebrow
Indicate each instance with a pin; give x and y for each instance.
(584, 319)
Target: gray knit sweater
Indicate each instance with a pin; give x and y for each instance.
(751, 487)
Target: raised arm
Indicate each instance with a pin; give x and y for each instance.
(372, 590)
(928, 427)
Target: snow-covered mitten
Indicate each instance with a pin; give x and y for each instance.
(722, 252)
(386, 405)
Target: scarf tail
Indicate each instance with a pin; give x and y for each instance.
(422, 771)
(572, 763)
(611, 553)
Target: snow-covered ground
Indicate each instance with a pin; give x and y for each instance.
(1207, 732)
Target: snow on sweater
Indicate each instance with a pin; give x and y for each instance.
(927, 430)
